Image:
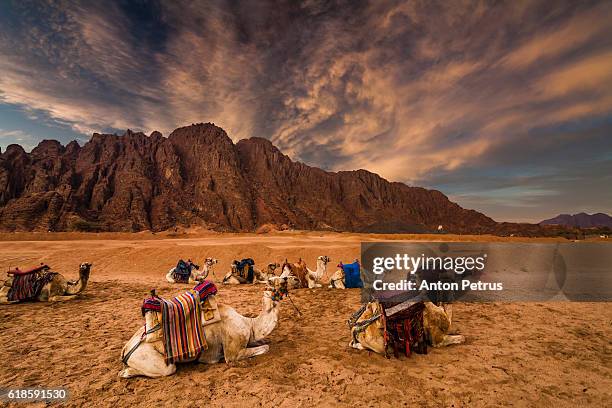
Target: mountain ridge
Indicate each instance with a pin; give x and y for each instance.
(198, 176)
(580, 220)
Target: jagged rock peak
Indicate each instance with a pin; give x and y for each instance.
(198, 176)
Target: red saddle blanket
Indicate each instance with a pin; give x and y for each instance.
(33, 269)
(404, 330)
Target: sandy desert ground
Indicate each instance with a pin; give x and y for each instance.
(527, 354)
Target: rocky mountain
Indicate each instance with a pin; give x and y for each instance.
(198, 176)
(581, 220)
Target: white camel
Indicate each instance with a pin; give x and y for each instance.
(265, 276)
(337, 280)
(209, 266)
(234, 337)
(196, 276)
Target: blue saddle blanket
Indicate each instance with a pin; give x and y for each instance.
(352, 276)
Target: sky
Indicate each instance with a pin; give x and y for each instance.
(506, 107)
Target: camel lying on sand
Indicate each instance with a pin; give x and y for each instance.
(57, 289)
(302, 276)
(264, 276)
(234, 337)
(196, 276)
(337, 280)
(436, 325)
(209, 266)
(233, 277)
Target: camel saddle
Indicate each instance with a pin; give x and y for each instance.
(245, 269)
(39, 268)
(210, 309)
(404, 328)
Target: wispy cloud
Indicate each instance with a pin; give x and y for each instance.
(412, 90)
(27, 141)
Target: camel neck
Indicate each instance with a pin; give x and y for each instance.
(84, 277)
(265, 323)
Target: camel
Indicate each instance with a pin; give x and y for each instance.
(233, 277)
(263, 277)
(57, 289)
(292, 271)
(337, 280)
(234, 337)
(436, 324)
(195, 276)
(304, 277)
(209, 264)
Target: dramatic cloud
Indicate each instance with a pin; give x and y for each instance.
(504, 106)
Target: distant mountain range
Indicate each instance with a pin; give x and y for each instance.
(580, 220)
(198, 177)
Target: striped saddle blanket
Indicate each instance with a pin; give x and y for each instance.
(28, 285)
(204, 290)
(182, 327)
(183, 335)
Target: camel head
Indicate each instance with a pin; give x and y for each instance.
(276, 290)
(210, 261)
(325, 259)
(272, 267)
(85, 268)
(286, 268)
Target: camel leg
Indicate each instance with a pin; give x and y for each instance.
(148, 362)
(145, 360)
(129, 372)
(234, 349)
(169, 276)
(61, 298)
(249, 352)
(356, 345)
(447, 340)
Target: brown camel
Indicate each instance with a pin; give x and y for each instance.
(58, 288)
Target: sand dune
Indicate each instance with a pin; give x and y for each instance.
(528, 354)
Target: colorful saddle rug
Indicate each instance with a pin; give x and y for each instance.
(182, 327)
(27, 286)
(183, 335)
(204, 290)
